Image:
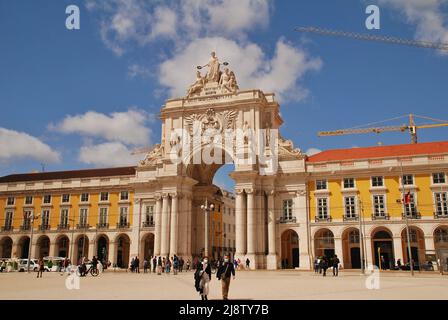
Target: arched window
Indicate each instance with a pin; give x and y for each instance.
(353, 236)
(441, 235)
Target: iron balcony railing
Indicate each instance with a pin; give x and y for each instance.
(63, 226)
(322, 219)
(383, 216)
(7, 228)
(414, 215)
(44, 227)
(440, 215)
(123, 225)
(25, 227)
(287, 220)
(82, 226)
(148, 224)
(347, 218)
(102, 226)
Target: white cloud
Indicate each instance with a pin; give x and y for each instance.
(14, 145)
(427, 15)
(127, 127)
(136, 70)
(109, 154)
(140, 22)
(312, 151)
(280, 74)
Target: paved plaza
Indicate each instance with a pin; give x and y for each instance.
(263, 285)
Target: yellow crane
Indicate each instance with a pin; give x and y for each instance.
(411, 127)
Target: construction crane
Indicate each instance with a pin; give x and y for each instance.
(370, 37)
(411, 127)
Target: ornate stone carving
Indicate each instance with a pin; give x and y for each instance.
(215, 81)
(211, 122)
(152, 157)
(286, 148)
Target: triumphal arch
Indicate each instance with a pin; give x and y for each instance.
(216, 123)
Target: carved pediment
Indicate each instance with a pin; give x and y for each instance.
(153, 156)
(286, 149)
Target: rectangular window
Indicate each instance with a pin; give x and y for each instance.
(64, 217)
(287, 209)
(28, 200)
(350, 207)
(84, 197)
(377, 182)
(408, 179)
(104, 196)
(47, 199)
(10, 201)
(441, 199)
(123, 216)
(411, 209)
(379, 206)
(27, 219)
(8, 220)
(322, 208)
(349, 183)
(65, 198)
(103, 216)
(321, 184)
(124, 196)
(83, 216)
(45, 218)
(438, 177)
(149, 216)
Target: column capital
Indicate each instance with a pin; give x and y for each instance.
(165, 195)
(158, 196)
(249, 191)
(239, 191)
(271, 192)
(175, 195)
(300, 192)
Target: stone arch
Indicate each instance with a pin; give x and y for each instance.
(351, 249)
(42, 247)
(147, 246)
(441, 237)
(23, 247)
(81, 247)
(290, 253)
(62, 246)
(383, 247)
(102, 247)
(123, 245)
(324, 243)
(417, 240)
(5, 247)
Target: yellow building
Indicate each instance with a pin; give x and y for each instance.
(371, 183)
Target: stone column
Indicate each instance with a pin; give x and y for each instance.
(240, 224)
(52, 249)
(173, 226)
(272, 256)
(91, 252)
(112, 252)
(338, 249)
(251, 232)
(398, 249)
(368, 253)
(189, 213)
(158, 225)
(165, 231)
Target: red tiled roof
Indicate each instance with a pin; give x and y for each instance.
(89, 173)
(381, 152)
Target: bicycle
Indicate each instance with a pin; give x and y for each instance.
(93, 271)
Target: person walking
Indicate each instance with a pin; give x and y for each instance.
(168, 266)
(225, 271)
(137, 264)
(181, 264)
(145, 266)
(154, 264)
(324, 266)
(175, 264)
(247, 263)
(316, 265)
(188, 265)
(132, 265)
(335, 266)
(41, 268)
(203, 276)
(159, 266)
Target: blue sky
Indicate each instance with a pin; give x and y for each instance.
(86, 98)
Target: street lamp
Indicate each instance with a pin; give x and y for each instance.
(32, 217)
(405, 206)
(206, 208)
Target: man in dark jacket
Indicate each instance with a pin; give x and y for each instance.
(225, 271)
(335, 266)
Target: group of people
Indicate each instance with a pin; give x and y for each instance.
(322, 263)
(161, 265)
(203, 276)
